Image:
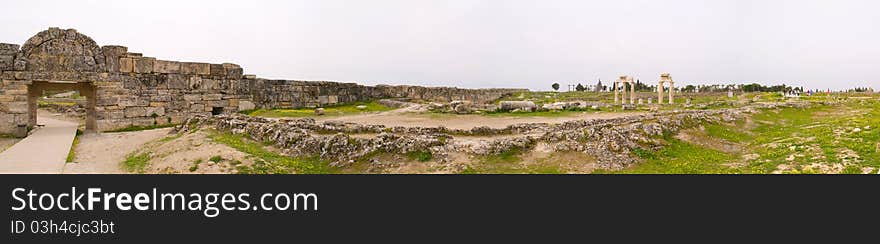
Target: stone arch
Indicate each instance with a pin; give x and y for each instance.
(57, 50)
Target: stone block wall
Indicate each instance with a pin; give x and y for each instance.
(134, 90)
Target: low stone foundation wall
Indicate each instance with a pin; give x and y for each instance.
(610, 141)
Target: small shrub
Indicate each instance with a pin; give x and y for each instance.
(136, 162)
(421, 156)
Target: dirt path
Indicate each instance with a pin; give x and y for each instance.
(42, 152)
(408, 117)
(101, 153)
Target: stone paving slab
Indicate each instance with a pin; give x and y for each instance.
(43, 152)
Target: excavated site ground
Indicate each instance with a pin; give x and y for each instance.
(412, 140)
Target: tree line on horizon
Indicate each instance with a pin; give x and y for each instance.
(752, 87)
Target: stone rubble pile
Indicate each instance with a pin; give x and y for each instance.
(610, 141)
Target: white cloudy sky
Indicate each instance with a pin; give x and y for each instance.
(489, 43)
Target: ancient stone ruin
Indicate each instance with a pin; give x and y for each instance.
(128, 89)
(610, 141)
(621, 83)
(665, 78)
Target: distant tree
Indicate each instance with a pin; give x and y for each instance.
(643, 87)
(555, 86)
(599, 86)
(689, 88)
(754, 87)
(580, 87)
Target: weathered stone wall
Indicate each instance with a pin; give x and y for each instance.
(286, 94)
(133, 90)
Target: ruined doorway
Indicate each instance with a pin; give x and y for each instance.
(38, 89)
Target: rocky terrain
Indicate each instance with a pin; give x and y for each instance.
(610, 141)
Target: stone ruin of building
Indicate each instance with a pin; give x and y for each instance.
(664, 79)
(126, 89)
(621, 83)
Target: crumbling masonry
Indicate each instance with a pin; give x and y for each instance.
(127, 89)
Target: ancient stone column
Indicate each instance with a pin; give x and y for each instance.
(671, 92)
(632, 92)
(34, 92)
(616, 87)
(660, 91)
(89, 92)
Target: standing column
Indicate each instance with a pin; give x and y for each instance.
(671, 91)
(615, 91)
(660, 93)
(90, 93)
(632, 93)
(34, 92)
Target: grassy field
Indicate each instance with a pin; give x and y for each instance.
(337, 110)
(840, 138)
(608, 97)
(269, 162)
(707, 100)
(824, 138)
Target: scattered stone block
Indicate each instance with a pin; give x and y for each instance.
(7, 62)
(246, 105)
(189, 68)
(166, 67)
(233, 71)
(132, 112)
(143, 65)
(126, 65)
(217, 70)
(212, 97)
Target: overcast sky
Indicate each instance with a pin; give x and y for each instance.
(503, 43)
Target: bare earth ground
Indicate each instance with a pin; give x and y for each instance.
(48, 114)
(7, 142)
(181, 155)
(407, 117)
(102, 152)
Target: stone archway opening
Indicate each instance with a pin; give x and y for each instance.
(37, 88)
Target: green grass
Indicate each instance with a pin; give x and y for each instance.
(787, 129)
(799, 137)
(136, 163)
(335, 110)
(141, 128)
(775, 135)
(715, 100)
(216, 159)
(504, 163)
(195, 165)
(170, 138)
(679, 157)
(421, 156)
(727, 133)
(511, 162)
(270, 162)
(645, 154)
(44, 104)
(71, 155)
